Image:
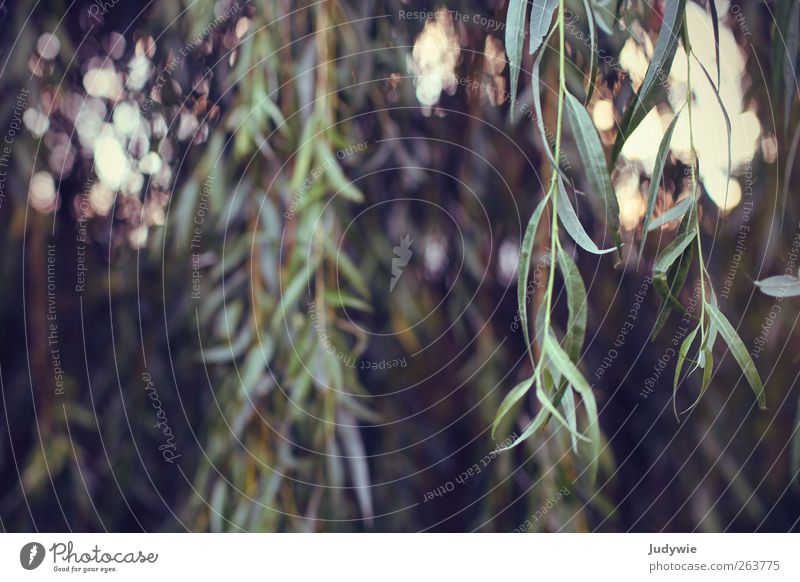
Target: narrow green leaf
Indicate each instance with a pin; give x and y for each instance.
(740, 353)
(712, 7)
(353, 445)
(564, 365)
(673, 213)
(676, 279)
(572, 417)
(338, 298)
(541, 17)
(657, 72)
(670, 254)
(587, 7)
(336, 176)
(727, 125)
(684, 349)
(523, 270)
(573, 226)
(591, 152)
(537, 105)
(658, 172)
(576, 303)
(515, 40)
(780, 286)
(517, 393)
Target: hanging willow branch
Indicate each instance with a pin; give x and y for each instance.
(556, 376)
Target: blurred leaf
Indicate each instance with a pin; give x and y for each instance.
(357, 458)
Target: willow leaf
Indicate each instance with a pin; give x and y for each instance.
(673, 213)
(515, 40)
(564, 365)
(587, 7)
(537, 106)
(591, 151)
(572, 417)
(727, 125)
(780, 286)
(740, 353)
(658, 172)
(684, 349)
(524, 270)
(712, 7)
(573, 226)
(671, 253)
(576, 304)
(657, 72)
(516, 394)
(541, 17)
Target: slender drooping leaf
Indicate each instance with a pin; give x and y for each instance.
(712, 7)
(564, 365)
(573, 226)
(675, 280)
(684, 349)
(673, 213)
(541, 17)
(537, 106)
(671, 254)
(780, 286)
(740, 353)
(576, 304)
(727, 125)
(524, 269)
(517, 393)
(591, 152)
(587, 7)
(657, 73)
(658, 171)
(353, 445)
(515, 40)
(571, 416)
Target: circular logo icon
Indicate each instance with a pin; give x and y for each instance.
(31, 555)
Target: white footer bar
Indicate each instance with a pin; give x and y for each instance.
(406, 557)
